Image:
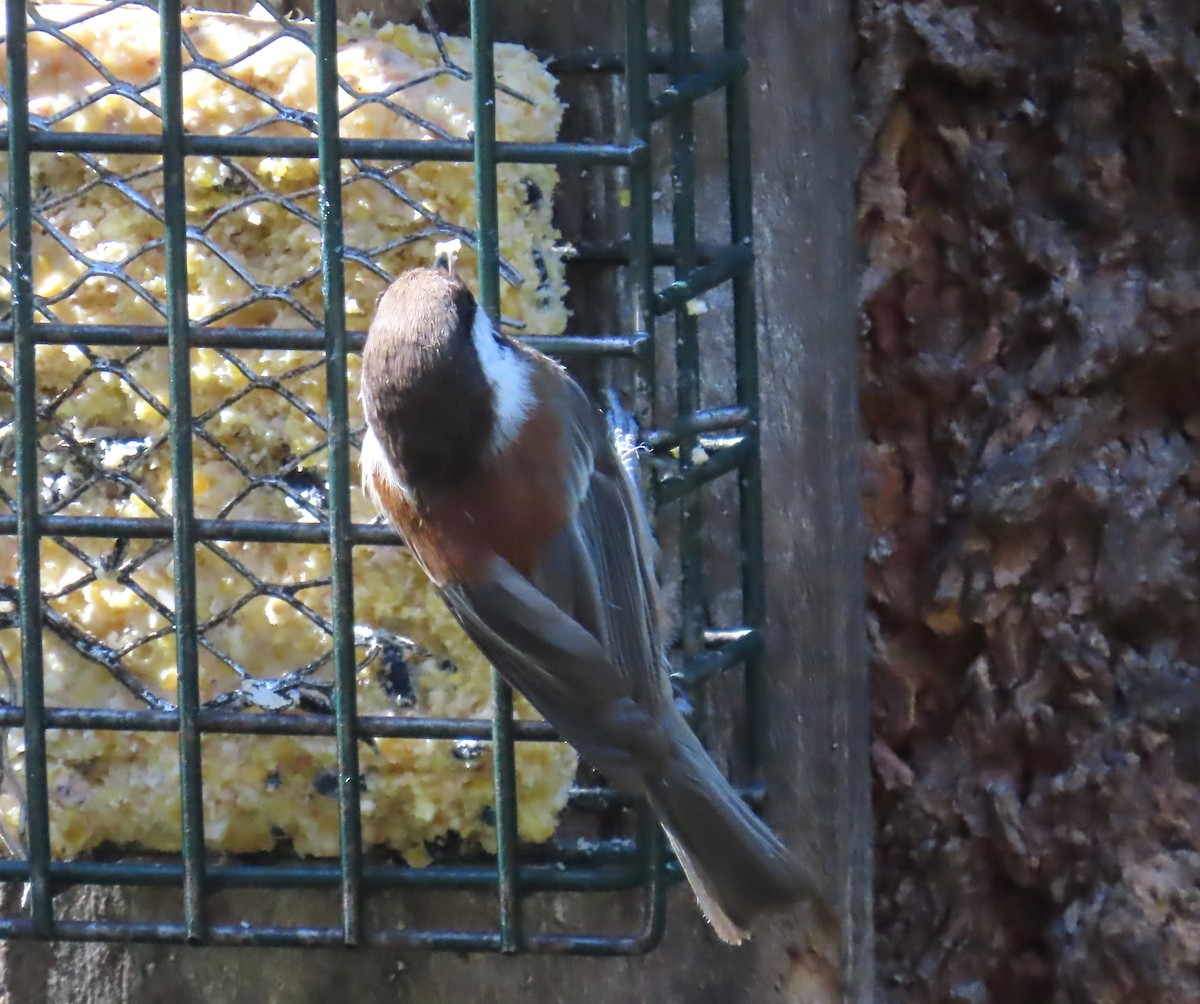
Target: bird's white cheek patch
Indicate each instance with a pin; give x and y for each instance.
(373, 463)
(510, 378)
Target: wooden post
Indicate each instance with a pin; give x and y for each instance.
(808, 279)
(819, 780)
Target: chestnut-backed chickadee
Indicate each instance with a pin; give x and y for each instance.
(497, 471)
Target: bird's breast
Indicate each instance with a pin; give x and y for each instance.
(512, 508)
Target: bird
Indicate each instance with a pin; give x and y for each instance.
(497, 471)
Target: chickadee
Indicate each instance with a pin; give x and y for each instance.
(497, 471)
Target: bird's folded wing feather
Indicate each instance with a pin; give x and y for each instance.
(563, 671)
(610, 539)
(581, 639)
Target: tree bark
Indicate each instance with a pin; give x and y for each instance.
(1029, 209)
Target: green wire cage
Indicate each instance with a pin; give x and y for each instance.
(654, 83)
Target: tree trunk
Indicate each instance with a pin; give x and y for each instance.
(1030, 201)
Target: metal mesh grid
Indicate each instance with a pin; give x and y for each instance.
(316, 484)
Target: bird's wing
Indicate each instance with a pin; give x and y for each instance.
(612, 540)
(563, 671)
(608, 554)
(581, 637)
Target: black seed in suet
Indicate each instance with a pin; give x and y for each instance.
(395, 676)
(533, 192)
(326, 783)
(539, 262)
(307, 488)
(314, 701)
(274, 780)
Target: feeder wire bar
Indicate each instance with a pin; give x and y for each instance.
(687, 88)
(745, 342)
(483, 80)
(728, 458)
(183, 524)
(275, 936)
(37, 818)
(641, 280)
(305, 147)
(729, 263)
(340, 547)
(632, 344)
(687, 349)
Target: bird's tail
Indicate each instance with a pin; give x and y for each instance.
(736, 866)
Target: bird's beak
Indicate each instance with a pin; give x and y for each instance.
(445, 255)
